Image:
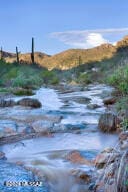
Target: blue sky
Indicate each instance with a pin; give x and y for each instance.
(58, 25)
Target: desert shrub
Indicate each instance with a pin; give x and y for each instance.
(49, 77)
(84, 78)
(120, 79)
(12, 73)
(30, 82)
(124, 124)
(21, 92)
(122, 103)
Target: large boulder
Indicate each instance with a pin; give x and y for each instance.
(107, 156)
(29, 102)
(7, 103)
(76, 157)
(108, 122)
(109, 101)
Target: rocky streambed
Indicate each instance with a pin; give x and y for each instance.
(56, 143)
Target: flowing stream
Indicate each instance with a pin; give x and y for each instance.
(80, 133)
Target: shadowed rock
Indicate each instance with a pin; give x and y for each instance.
(109, 101)
(108, 122)
(29, 102)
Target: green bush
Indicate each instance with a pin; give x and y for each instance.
(124, 124)
(120, 79)
(30, 82)
(84, 78)
(21, 92)
(49, 77)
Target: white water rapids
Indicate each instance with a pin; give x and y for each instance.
(48, 153)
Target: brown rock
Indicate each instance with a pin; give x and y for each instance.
(29, 102)
(75, 157)
(108, 122)
(81, 175)
(105, 157)
(109, 101)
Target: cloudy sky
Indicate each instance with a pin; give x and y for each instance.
(58, 25)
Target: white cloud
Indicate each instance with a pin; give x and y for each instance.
(95, 39)
(88, 38)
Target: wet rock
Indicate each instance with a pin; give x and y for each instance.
(124, 144)
(2, 156)
(42, 126)
(7, 128)
(107, 156)
(68, 127)
(123, 136)
(108, 122)
(6, 103)
(29, 102)
(82, 175)
(75, 157)
(109, 101)
(93, 106)
(81, 100)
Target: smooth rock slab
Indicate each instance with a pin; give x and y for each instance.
(11, 172)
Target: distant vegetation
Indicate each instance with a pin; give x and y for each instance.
(24, 76)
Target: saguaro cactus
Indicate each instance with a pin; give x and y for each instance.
(32, 53)
(1, 54)
(79, 60)
(17, 55)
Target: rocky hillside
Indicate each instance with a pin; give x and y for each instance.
(26, 57)
(72, 57)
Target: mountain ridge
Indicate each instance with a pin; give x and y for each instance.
(70, 58)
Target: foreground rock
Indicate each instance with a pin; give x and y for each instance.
(81, 175)
(108, 122)
(112, 164)
(29, 102)
(75, 157)
(109, 155)
(109, 101)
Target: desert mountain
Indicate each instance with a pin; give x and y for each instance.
(26, 57)
(72, 57)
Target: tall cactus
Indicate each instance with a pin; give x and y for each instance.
(79, 60)
(1, 54)
(32, 53)
(17, 55)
